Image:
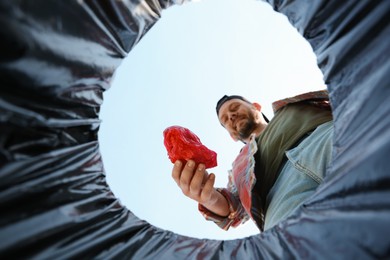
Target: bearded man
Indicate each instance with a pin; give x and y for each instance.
(281, 165)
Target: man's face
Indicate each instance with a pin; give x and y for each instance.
(240, 118)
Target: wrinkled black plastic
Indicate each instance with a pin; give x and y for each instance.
(57, 57)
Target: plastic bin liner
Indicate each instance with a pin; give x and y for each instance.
(57, 58)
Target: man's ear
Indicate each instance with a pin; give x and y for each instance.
(257, 106)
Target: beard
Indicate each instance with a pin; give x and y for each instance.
(247, 129)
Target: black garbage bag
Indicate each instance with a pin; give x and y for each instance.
(58, 57)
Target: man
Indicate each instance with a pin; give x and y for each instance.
(281, 164)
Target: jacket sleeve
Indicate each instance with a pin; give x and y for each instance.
(242, 174)
(237, 214)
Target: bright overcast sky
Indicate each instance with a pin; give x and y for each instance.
(194, 55)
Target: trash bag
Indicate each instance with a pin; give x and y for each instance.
(58, 57)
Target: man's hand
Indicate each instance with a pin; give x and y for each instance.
(194, 181)
(197, 184)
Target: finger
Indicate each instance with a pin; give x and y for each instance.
(176, 171)
(197, 181)
(205, 177)
(208, 188)
(186, 176)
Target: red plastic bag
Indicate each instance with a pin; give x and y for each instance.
(182, 144)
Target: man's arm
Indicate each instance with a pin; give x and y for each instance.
(198, 185)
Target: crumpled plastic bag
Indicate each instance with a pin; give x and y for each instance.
(182, 144)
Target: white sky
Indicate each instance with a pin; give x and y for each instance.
(194, 55)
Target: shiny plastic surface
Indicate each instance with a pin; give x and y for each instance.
(57, 58)
(182, 144)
